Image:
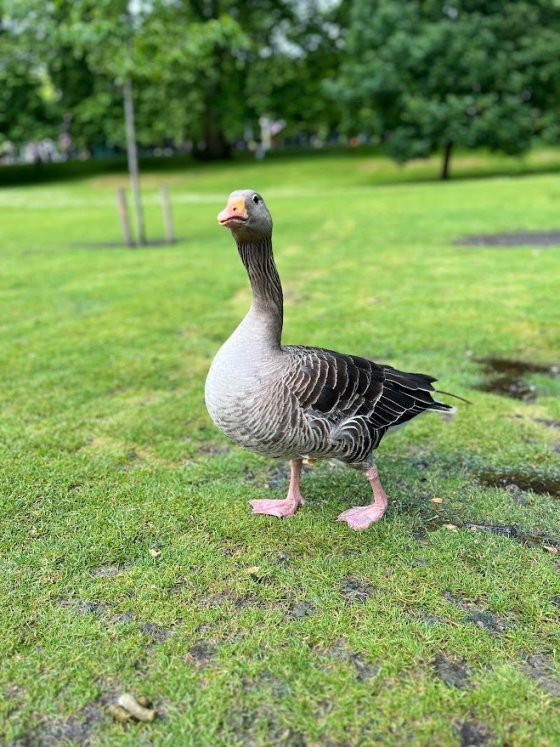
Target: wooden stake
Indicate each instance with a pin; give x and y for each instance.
(132, 152)
(123, 215)
(167, 215)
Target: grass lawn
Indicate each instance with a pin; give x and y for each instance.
(129, 560)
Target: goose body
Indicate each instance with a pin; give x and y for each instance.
(291, 402)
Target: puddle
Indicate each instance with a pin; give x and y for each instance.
(506, 377)
(522, 479)
(519, 238)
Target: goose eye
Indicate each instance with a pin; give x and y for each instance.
(256, 199)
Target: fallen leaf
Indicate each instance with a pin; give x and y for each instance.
(129, 703)
(252, 569)
(550, 548)
(154, 553)
(119, 713)
(437, 500)
(451, 527)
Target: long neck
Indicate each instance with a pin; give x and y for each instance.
(268, 304)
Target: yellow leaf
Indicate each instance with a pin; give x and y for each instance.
(549, 548)
(154, 553)
(451, 527)
(437, 500)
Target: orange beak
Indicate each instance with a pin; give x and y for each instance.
(234, 212)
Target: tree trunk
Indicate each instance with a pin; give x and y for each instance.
(216, 146)
(132, 154)
(446, 161)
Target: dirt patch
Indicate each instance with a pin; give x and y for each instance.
(74, 730)
(533, 539)
(85, 607)
(300, 610)
(453, 673)
(479, 616)
(156, 632)
(79, 729)
(545, 239)
(427, 619)
(211, 601)
(532, 479)
(277, 477)
(214, 449)
(547, 422)
(506, 377)
(278, 686)
(106, 571)
(540, 668)
(355, 590)
(340, 651)
(474, 734)
(201, 654)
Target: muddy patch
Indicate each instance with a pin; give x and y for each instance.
(549, 423)
(540, 668)
(538, 481)
(452, 673)
(239, 601)
(530, 538)
(508, 378)
(201, 654)
(156, 632)
(214, 449)
(355, 590)
(544, 239)
(474, 734)
(74, 730)
(300, 610)
(482, 618)
(106, 571)
(277, 477)
(78, 729)
(427, 619)
(341, 652)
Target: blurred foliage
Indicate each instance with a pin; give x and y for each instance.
(428, 75)
(420, 77)
(23, 108)
(203, 71)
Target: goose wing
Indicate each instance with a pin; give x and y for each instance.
(358, 396)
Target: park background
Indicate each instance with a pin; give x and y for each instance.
(410, 156)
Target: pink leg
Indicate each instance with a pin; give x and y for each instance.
(288, 506)
(360, 517)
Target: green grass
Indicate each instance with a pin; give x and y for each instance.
(129, 560)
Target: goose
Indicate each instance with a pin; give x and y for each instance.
(294, 402)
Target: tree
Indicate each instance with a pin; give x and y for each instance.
(426, 76)
(24, 108)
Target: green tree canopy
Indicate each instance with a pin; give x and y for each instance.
(202, 71)
(24, 106)
(428, 75)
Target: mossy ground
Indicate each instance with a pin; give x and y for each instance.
(129, 559)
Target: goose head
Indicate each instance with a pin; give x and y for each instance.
(246, 216)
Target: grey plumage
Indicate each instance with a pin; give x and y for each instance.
(292, 401)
